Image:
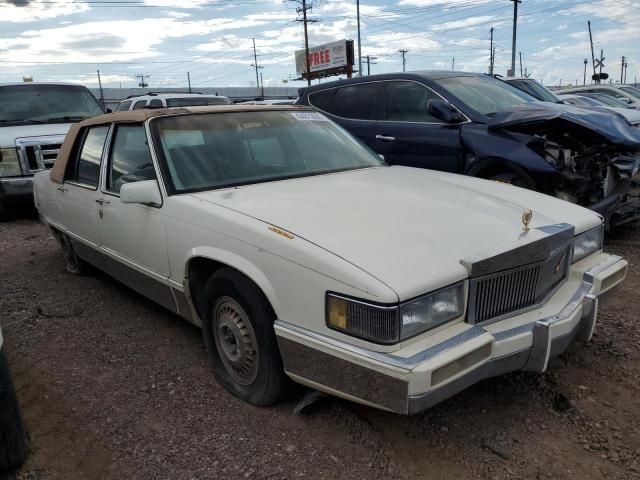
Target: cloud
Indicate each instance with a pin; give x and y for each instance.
(446, 3)
(461, 24)
(19, 11)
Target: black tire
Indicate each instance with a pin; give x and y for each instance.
(240, 339)
(14, 441)
(75, 265)
(5, 212)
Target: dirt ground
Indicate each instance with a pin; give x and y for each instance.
(113, 386)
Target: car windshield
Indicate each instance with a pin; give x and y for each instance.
(484, 94)
(197, 101)
(535, 89)
(607, 100)
(633, 91)
(23, 104)
(215, 150)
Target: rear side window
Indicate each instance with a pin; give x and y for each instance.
(87, 167)
(130, 160)
(408, 102)
(321, 99)
(139, 104)
(156, 102)
(353, 101)
(123, 106)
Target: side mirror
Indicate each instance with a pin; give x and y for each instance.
(444, 111)
(145, 192)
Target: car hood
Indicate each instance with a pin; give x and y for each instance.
(610, 126)
(409, 228)
(9, 135)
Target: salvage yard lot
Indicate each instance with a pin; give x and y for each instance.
(113, 386)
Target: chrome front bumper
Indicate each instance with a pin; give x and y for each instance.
(410, 380)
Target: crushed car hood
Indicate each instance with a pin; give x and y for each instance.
(615, 129)
(410, 228)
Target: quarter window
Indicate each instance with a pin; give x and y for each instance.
(156, 102)
(139, 104)
(130, 160)
(87, 169)
(408, 102)
(124, 106)
(354, 101)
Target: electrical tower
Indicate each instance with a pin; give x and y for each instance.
(142, 83)
(369, 61)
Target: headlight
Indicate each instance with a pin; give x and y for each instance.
(393, 323)
(9, 163)
(587, 243)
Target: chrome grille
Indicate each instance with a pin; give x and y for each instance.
(493, 296)
(373, 323)
(38, 153)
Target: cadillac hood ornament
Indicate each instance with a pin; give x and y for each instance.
(527, 215)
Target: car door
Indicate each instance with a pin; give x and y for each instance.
(79, 192)
(354, 107)
(409, 135)
(133, 235)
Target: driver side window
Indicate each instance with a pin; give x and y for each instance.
(408, 102)
(130, 159)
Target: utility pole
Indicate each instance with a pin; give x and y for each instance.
(626, 65)
(491, 54)
(189, 81)
(622, 70)
(359, 42)
(453, 63)
(404, 61)
(101, 92)
(369, 60)
(261, 85)
(520, 63)
(255, 62)
(593, 57)
(512, 72)
(304, 9)
(142, 83)
(584, 81)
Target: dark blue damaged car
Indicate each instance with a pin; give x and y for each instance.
(476, 125)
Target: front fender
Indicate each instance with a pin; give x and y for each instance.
(236, 262)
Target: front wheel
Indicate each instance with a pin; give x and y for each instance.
(14, 442)
(75, 264)
(240, 339)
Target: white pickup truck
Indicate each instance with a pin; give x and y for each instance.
(34, 118)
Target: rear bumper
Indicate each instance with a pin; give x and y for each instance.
(16, 190)
(410, 380)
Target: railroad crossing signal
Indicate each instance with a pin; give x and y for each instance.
(600, 62)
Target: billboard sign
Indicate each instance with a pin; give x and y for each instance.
(331, 58)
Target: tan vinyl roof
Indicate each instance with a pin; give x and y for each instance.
(137, 116)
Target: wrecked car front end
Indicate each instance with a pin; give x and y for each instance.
(595, 156)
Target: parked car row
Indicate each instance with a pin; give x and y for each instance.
(343, 243)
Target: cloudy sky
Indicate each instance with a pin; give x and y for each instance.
(68, 40)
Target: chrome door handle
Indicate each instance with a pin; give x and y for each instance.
(385, 138)
(102, 201)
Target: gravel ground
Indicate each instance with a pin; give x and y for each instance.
(113, 386)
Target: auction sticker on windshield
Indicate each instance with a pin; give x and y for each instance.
(306, 116)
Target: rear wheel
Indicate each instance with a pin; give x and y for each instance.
(75, 264)
(14, 442)
(240, 339)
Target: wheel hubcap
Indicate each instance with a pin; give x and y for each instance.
(235, 340)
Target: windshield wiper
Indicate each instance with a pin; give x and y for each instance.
(66, 118)
(20, 120)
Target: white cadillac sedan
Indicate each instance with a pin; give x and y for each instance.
(304, 257)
